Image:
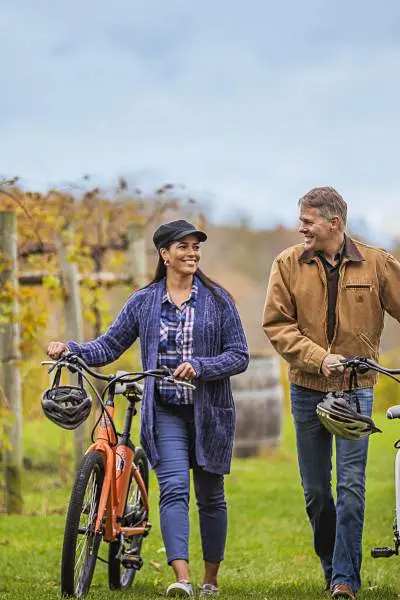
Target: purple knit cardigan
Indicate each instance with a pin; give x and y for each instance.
(219, 351)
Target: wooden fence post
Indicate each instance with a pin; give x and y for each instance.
(137, 266)
(137, 263)
(9, 360)
(73, 316)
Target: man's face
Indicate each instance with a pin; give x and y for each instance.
(317, 230)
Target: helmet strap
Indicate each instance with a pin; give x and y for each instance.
(57, 377)
(353, 385)
(341, 382)
(80, 380)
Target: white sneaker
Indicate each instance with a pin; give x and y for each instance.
(208, 589)
(180, 589)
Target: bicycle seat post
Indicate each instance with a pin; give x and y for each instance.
(105, 429)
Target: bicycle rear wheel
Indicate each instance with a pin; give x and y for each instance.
(81, 543)
(120, 576)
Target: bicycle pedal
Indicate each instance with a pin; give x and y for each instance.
(131, 561)
(132, 517)
(383, 552)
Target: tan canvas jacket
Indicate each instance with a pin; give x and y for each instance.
(295, 311)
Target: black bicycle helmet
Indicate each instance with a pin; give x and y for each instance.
(66, 405)
(336, 414)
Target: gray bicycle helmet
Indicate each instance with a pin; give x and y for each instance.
(66, 405)
(336, 414)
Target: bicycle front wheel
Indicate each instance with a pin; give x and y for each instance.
(119, 576)
(81, 543)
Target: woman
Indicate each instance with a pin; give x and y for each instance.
(189, 323)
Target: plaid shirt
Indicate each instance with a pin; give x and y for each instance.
(176, 344)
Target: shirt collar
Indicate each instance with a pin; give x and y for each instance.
(191, 299)
(349, 250)
(338, 256)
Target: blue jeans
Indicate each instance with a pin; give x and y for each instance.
(337, 529)
(175, 441)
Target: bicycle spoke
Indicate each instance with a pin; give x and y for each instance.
(85, 544)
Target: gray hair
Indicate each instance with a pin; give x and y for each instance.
(328, 201)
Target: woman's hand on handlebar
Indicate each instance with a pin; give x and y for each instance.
(56, 349)
(184, 372)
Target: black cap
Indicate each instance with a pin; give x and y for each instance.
(174, 231)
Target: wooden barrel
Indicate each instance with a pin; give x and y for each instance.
(258, 396)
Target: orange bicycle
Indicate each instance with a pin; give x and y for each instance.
(109, 499)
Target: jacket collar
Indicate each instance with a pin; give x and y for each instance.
(350, 251)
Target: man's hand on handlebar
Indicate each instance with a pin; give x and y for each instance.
(332, 365)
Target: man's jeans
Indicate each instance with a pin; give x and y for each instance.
(337, 530)
(175, 439)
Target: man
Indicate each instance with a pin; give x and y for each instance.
(326, 300)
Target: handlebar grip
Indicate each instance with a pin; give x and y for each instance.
(393, 412)
(120, 386)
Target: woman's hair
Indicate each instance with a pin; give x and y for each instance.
(161, 272)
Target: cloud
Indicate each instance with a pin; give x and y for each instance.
(247, 103)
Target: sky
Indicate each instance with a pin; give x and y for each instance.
(247, 104)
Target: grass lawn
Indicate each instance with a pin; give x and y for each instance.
(269, 551)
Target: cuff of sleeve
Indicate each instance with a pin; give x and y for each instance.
(316, 359)
(73, 347)
(196, 364)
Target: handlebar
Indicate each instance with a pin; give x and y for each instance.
(123, 382)
(124, 379)
(361, 365)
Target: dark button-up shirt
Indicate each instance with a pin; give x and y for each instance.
(332, 280)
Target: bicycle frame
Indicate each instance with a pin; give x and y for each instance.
(118, 454)
(116, 513)
(116, 479)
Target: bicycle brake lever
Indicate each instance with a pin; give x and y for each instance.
(168, 370)
(70, 358)
(53, 364)
(180, 382)
(360, 367)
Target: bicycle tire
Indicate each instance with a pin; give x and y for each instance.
(119, 577)
(84, 503)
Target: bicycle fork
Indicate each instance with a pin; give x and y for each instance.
(386, 551)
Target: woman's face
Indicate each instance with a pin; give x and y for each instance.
(183, 256)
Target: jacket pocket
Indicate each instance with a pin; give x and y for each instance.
(217, 435)
(358, 287)
(219, 424)
(373, 349)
